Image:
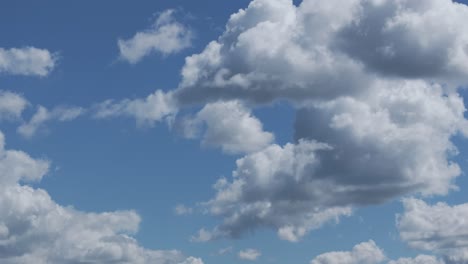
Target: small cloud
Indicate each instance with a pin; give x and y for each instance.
(249, 254)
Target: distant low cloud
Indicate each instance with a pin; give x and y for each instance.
(369, 253)
(35, 229)
(42, 115)
(28, 61)
(166, 36)
(147, 111)
(439, 228)
(364, 253)
(12, 105)
(249, 254)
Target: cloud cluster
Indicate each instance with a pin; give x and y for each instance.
(35, 229)
(27, 61)
(364, 134)
(439, 228)
(166, 36)
(369, 253)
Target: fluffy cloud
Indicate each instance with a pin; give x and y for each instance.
(325, 49)
(43, 115)
(440, 228)
(11, 105)
(421, 259)
(26, 61)
(349, 152)
(375, 82)
(35, 229)
(166, 36)
(149, 110)
(230, 126)
(364, 253)
(369, 253)
(249, 254)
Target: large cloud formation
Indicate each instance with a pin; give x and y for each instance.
(439, 228)
(35, 229)
(375, 84)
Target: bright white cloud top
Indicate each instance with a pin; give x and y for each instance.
(27, 61)
(249, 254)
(166, 36)
(12, 105)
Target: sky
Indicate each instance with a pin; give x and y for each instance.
(249, 131)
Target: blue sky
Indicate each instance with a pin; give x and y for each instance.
(333, 125)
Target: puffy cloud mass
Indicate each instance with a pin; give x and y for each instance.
(27, 61)
(249, 254)
(11, 105)
(166, 36)
(230, 126)
(35, 229)
(369, 253)
(375, 84)
(440, 228)
(42, 115)
(364, 253)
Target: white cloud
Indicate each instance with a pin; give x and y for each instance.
(165, 36)
(249, 254)
(35, 229)
(364, 253)
(42, 115)
(12, 105)
(230, 126)
(27, 61)
(421, 259)
(439, 228)
(149, 110)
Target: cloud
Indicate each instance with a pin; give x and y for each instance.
(421, 259)
(147, 111)
(364, 253)
(230, 126)
(166, 36)
(249, 254)
(376, 92)
(35, 229)
(27, 61)
(439, 228)
(349, 152)
(183, 210)
(42, 115)
(12, 105)
(274, 49)
(369, 253)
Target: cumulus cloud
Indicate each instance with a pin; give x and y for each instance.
(439, 228)
(42, 115)
(230, 126)
(27, 61)
(364, 253)
(12, 105)
(369, 253)
(249, 254)
(147, 111)
(35, 229)
(421, 259)
(375, 84)
(166, 36)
